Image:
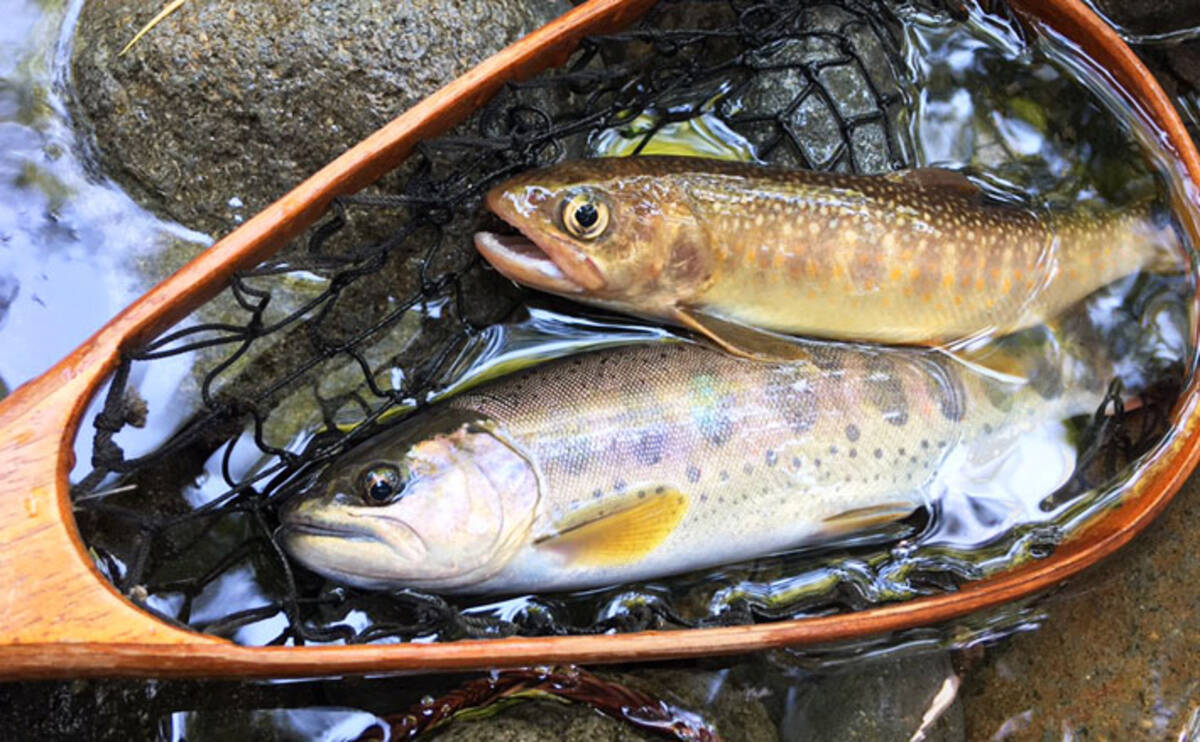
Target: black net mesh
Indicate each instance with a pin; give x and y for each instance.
(385, 302)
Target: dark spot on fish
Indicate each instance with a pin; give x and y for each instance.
(987, 428)
(748, 469)
(693, 474)
(912, 459)
(852, 432)
(817, 463)
(619, 485)
(659, 490)
(885, 390)
(721, 498)
(597, 494)
(924, 443)
(854, 453)
(716, 427)
(900, 450)
(703, 497)
(879, 453)
(796, 404)
(641, 494)
(650, 445)
(771, 457)
(941, 444)
(724, 476)
(574, 456)
(795, 462)
(833, 450)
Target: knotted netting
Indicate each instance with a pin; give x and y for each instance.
(384, 306)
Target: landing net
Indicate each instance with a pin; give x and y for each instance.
(381, 304)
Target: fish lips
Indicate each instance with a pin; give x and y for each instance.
(304, 532)
(542, 262)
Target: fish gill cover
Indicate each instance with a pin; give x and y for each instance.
(384, 307)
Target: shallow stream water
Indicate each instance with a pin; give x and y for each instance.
(979, 104)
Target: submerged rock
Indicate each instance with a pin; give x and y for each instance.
(1117, 659)
(1150, 17)
(224, 106)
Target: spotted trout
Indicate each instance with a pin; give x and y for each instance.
(724, 248)
(647, 461)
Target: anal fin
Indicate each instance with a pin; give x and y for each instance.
(860, 519)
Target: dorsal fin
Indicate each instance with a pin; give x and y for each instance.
(623, 536)
(940, 179)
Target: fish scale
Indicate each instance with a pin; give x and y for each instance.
(726, 459)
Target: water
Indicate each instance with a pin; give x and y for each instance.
(74, 249)
(974, 109)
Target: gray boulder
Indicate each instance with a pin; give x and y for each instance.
(226, 105)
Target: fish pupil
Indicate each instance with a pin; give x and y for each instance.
(586, 215)
(381, 484)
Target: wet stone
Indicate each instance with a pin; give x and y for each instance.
(1150, 17)
(224, 106)
(1117, 657)
(875, 701)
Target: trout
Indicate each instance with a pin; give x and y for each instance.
(727, 249)
(646, 461)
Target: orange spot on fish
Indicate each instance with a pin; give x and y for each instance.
(895, 274)
(1006, 287)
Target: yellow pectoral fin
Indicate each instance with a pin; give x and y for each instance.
(861, 519)
(622, 537)
(742, 340)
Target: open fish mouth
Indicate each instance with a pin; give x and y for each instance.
(535, 259)
(520, 259)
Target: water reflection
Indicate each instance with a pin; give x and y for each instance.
(74, 249)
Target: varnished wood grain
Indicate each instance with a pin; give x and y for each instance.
(58, 617)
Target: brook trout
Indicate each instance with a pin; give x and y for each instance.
(913, 257)
(646, 461)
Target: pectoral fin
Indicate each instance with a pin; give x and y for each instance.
(741, 340)
(623, 536)
(861, 519)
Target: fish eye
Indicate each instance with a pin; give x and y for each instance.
(381, 483)
(584, 217)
